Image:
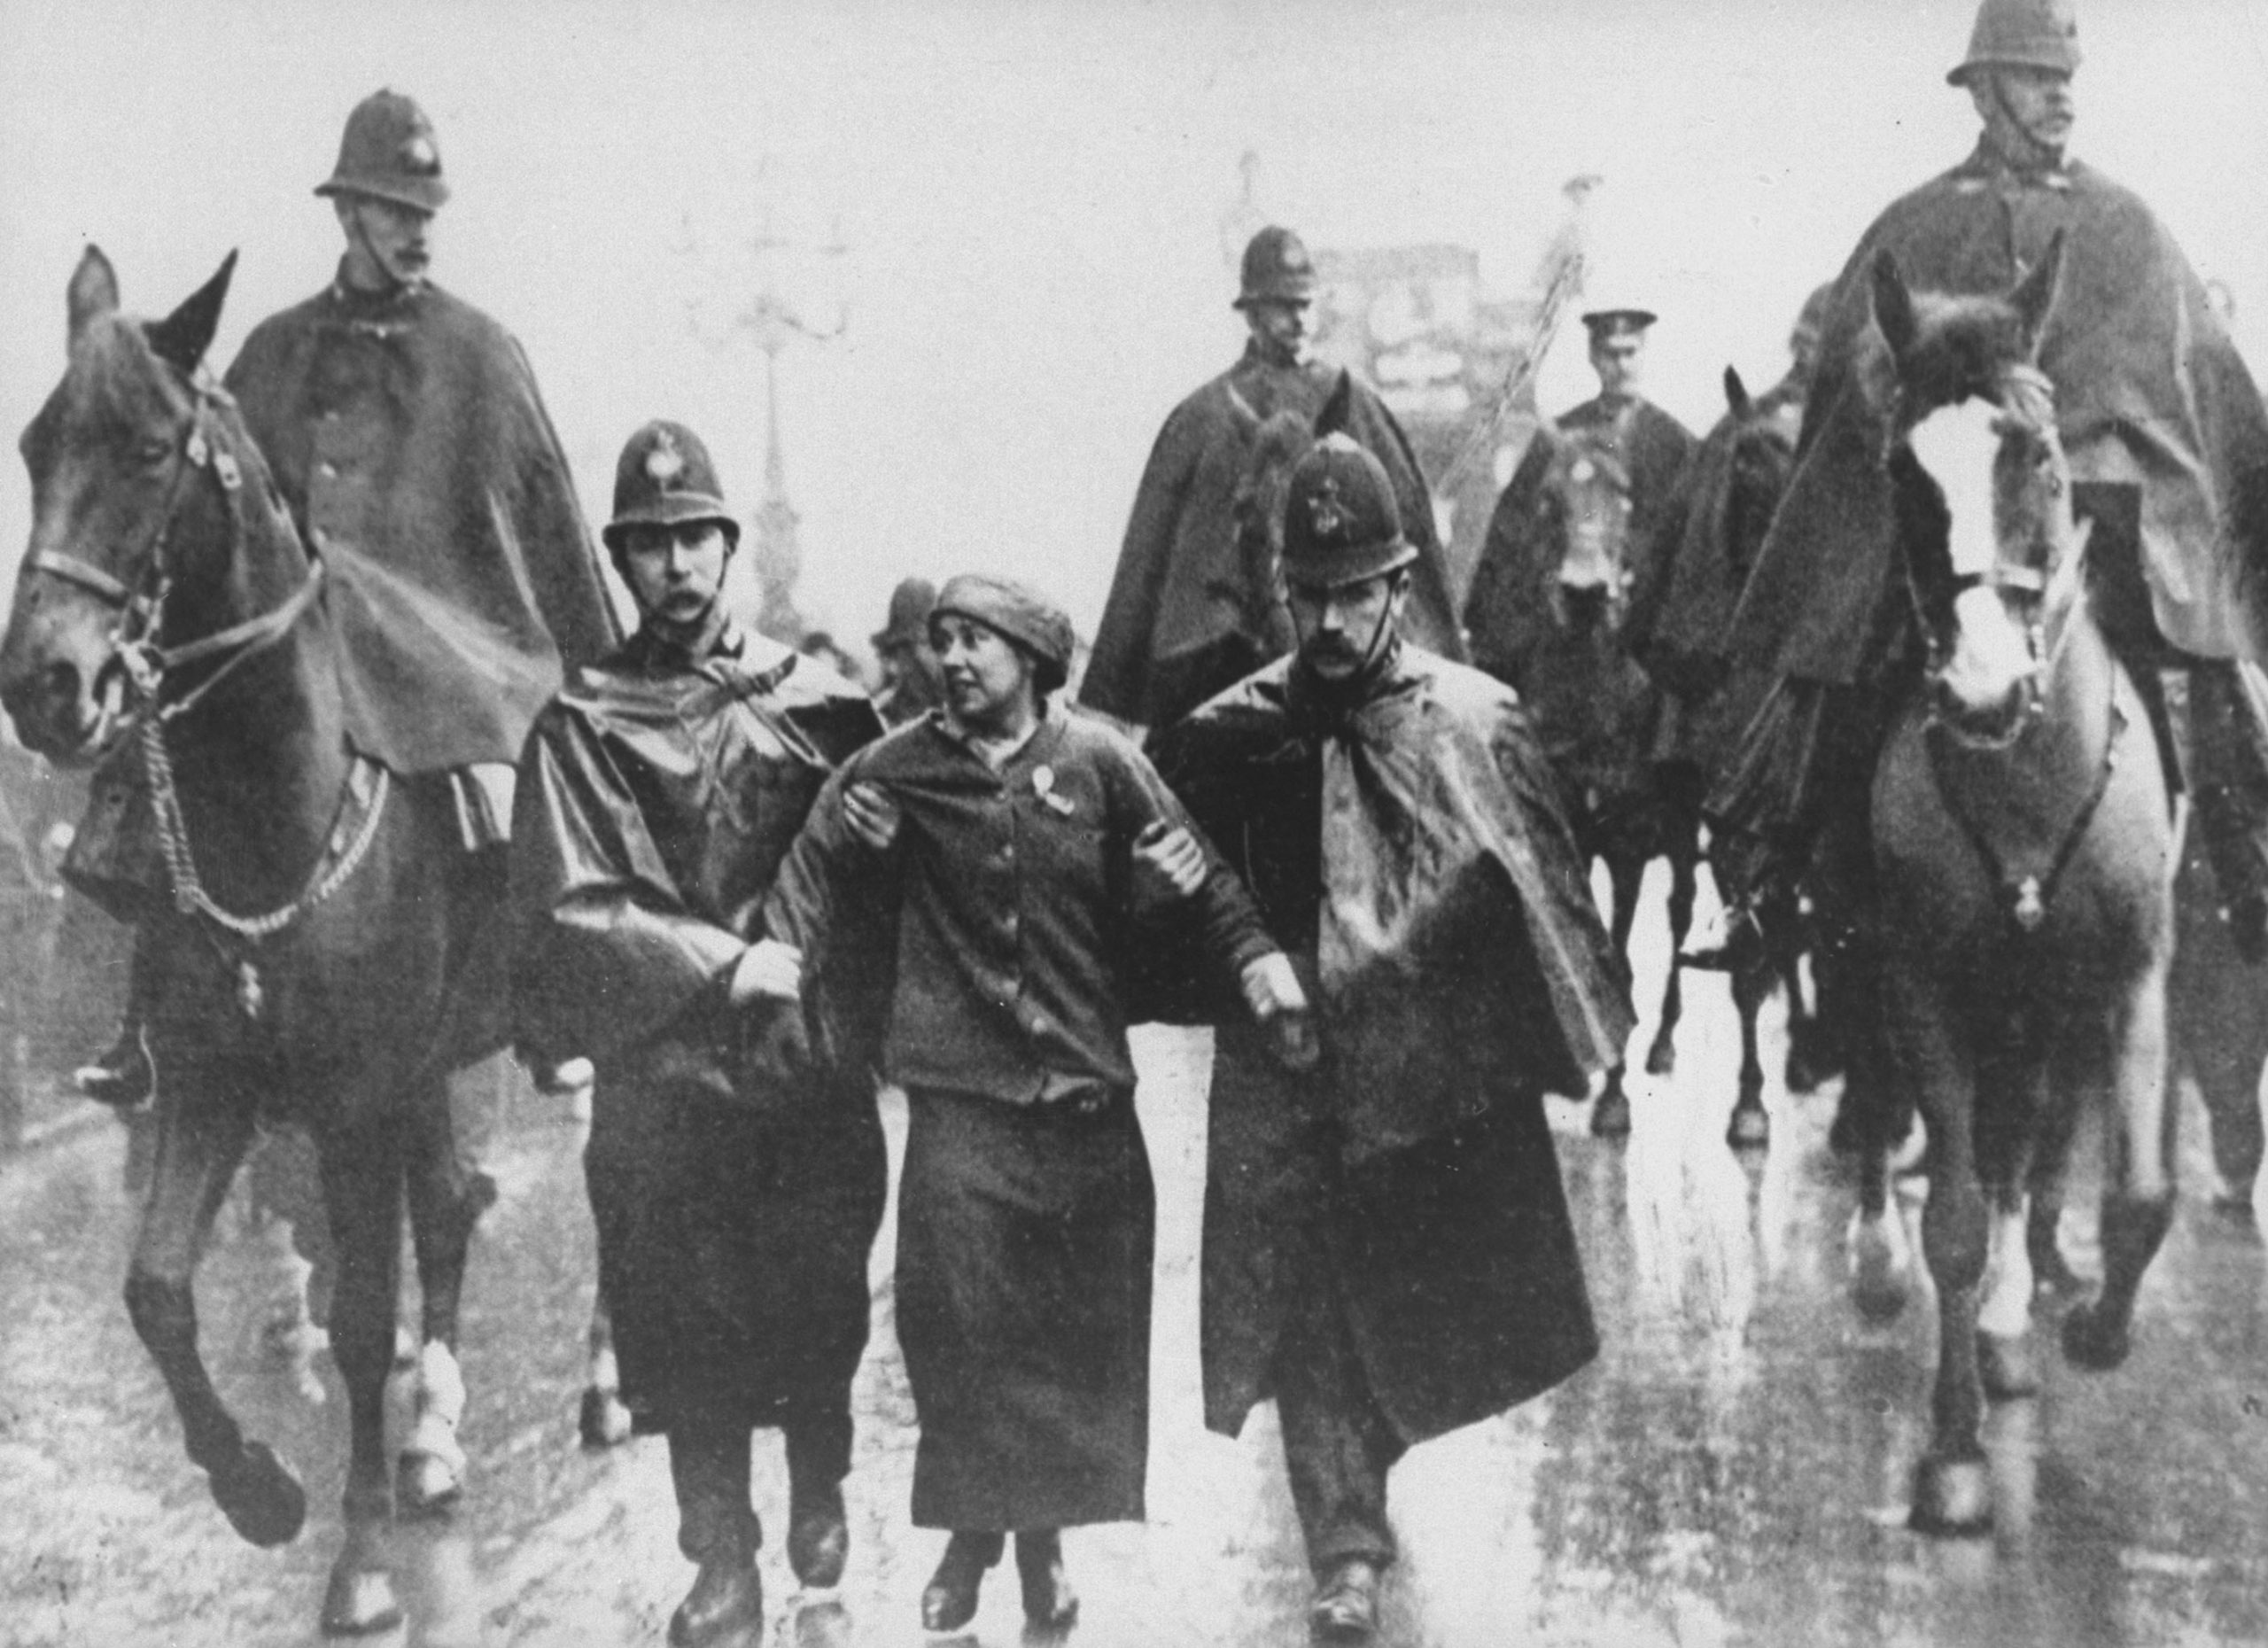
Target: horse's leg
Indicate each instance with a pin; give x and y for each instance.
(202, 1135)
(363, 1187)
(1881, 1259)
(445, 1203)
(1952, 1486)
(1752, 983)
(2138, 1179)
(605, 1421)
(1684, 856)
(1611, 1115)
(2051, 1165)
(1813, 1057)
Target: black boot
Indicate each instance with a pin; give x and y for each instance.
(949, 1600)
(724, 1608)
(1050, 1604)
(819, 1539)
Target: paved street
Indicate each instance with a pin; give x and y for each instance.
(1735, 1470)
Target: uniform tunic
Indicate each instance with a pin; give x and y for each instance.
(1180, 622)
(1026, 1208)
(736, 1204)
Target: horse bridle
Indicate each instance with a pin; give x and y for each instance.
(2034, 397)
(144, 661)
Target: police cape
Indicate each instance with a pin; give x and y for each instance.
(2151, 394)
(1402, 835)
(1192, 605)
(735, 1200)
(406, 433)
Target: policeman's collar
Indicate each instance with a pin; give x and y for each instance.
(359, 304)
(1989, 162)
(1327, 701)
(716, 637)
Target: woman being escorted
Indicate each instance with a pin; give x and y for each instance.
(1038, 867)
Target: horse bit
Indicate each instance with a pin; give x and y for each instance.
(144, 664)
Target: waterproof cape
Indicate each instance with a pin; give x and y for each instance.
(2150, 394)
(1183, 618)
(1457, 948)
(406, 436)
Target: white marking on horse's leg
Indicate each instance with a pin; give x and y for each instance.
(439, 1408)
(2004, 1308)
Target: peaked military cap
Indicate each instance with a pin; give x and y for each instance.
(389, 152)
(1277, 269)
(1618, 323)
(2020, 34)
(1341, 524)
(665, 477)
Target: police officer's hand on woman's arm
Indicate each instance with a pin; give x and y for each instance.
(1271, 990)
(871, 815)
(1167, 861)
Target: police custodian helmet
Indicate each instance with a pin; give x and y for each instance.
(389, 153)
(2020, 34)
(1341, 524)
(664, 477)
(1277, 269)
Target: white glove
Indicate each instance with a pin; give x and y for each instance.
(768, 971)
(1271, 990)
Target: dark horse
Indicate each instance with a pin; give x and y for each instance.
(322, 930)
(2025, 849)
(1710, 535)
(1546, 615)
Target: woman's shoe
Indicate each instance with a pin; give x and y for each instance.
(949, 1600)
(1050, 1604)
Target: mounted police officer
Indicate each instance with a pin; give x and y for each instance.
(1653, 447)
(911, 683)
(736, 1187)
(405, 432)
(2165, 433)
(1189, 612)
(1387, 1248)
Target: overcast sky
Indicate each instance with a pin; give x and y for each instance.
(1031, 195)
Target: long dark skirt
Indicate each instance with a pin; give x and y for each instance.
(1024, 1236)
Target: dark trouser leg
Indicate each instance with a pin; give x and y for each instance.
(1337, 1444)
(2230, 750)
(818, 1435)
(709, 1468)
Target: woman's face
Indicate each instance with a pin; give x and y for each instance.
(987, 676)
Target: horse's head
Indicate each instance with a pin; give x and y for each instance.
(1983, 490)
(1273, 447)
(131, 461)
(1587, 490)
(1762, 456)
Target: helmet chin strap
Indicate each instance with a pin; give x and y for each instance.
(2042, 154)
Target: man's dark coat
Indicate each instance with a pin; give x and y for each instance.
(735, 1203)
(406, 434)
(1405, 844)
(2150, 394)
(1184, 617)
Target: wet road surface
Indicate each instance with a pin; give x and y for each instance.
(1735, 1469)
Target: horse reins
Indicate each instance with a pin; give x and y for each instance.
(145, 663)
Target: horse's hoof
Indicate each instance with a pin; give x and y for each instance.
(1952, 1496)
(1879, 1279)
(360, 1599)
(1611, 1115)
(2091, 1341)
(426, 1484)
(2053, 1277)
(262, 1500)
(2233, 1202)
(1750, 1129)
(604, 1421)
(1661, 1058)
(2006, 1367)
(1809, 1067)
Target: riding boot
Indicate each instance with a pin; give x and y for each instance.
(2229, 734)
(124, 1074)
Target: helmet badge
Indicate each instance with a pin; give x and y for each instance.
(419, 155)
(664, 464)
(1327, 511)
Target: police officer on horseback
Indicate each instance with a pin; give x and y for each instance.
(1187, 613)
(2165, 430)
(406, 437)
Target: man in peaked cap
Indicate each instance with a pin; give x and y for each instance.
(1387, 1248)
(405, 432)
(1191, 607)
(912, 686)
(2162, 425)
(737, 1188)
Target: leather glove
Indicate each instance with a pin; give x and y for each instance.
(1271, 990)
